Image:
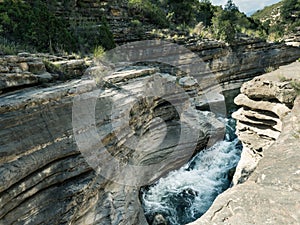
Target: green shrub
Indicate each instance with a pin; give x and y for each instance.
(269, 69)
(99, 51)
(296, 86)
(224, 25)
(144, 8)
(136, 23)
(283, 78)
(33, 24)
(137, 27)
(8, 47)
(89, 36)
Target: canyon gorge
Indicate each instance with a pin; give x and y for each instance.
(83, 138)
(45, 178)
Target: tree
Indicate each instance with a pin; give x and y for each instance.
(35, 25)
(230, 6)
(225, 22)
(290, 11)
(205, 12)
(184, 11)
(223, 28)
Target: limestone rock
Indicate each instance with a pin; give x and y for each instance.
(45, 179)
(44, 77)
(279, 109)
(36, 67)
(188, 82)
(266, 182)
(265, 101)
(271, 195)
(69, 69)
(11, 80)
(261, 88)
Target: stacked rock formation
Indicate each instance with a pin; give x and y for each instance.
(266, 192)
(264, 102)
(24, 70)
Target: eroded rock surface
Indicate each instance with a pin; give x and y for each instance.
(269, 170)
(46, 180)
(24, 70)
(264, 102)
(44, 177)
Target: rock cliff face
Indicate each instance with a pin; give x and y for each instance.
(294, 38)
(45, 179)
(249, 58)
(266, 189)
(24, 70)
(264, 102)
(85, 14)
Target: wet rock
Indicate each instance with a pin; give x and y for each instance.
(159, 220)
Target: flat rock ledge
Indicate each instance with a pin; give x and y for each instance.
(266, 187)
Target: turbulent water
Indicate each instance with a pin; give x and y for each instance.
(186, 194)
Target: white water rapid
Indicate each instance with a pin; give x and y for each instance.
(186, 194)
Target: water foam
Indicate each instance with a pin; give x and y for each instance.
(186, 194)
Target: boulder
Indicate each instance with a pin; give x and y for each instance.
(159, 220)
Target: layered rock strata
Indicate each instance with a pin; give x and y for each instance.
(45, 179)
(293, 39)
(266, 189)
(242, 62)
(24, 70)
(264, 102)
(247, 59)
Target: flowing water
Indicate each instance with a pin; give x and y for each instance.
(186, 194)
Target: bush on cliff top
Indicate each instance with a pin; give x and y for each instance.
(145, 9)
(34, 23)
(280, 19)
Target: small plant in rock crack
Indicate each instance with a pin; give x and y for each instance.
(269, 69)
(296, 134)
(296, 85)
(283, 78)
(99, 51)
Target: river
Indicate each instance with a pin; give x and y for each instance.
(186, 194)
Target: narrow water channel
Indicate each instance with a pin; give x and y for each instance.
(186, 194)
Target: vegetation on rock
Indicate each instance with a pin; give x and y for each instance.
(37, 23)
(34, 23)
(141, 9)
(280, 19)
(296, 86)
(204, 19)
